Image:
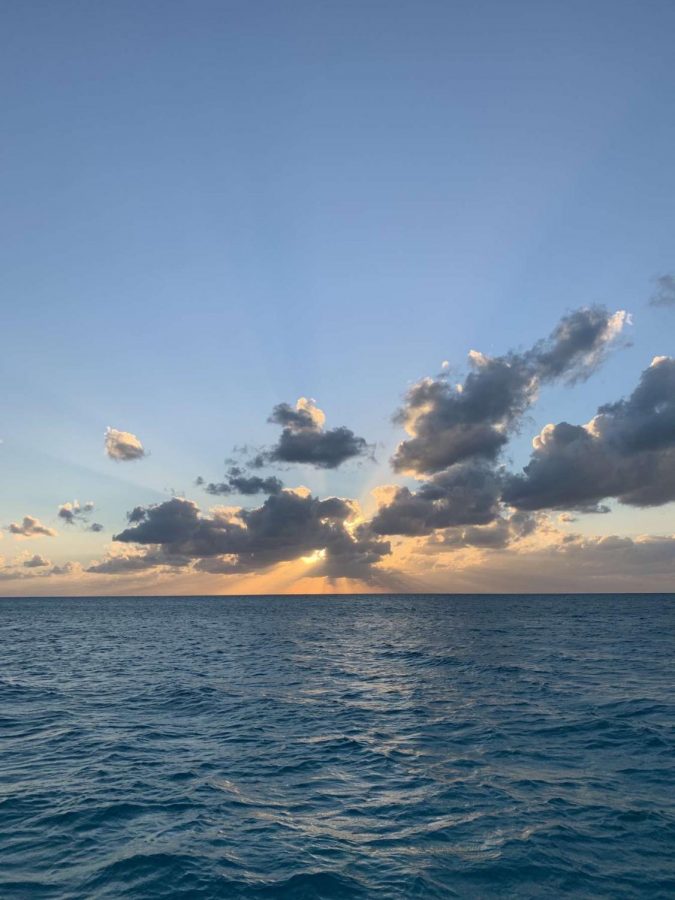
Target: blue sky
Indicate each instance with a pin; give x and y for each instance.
(213, 207)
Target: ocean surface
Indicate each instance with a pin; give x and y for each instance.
(365, 747)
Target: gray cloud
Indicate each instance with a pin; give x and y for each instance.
(664, 295)
(36, 562)
(237, 482)
(68, 568)
(76, 513)
(124, 564)
(123, 446)
(627, 451)
(564, 563)
(466, 494)
(304, 440)
(30, 527)
(614, 554)
(38, 568)
(498, 535)
(305, 415)
(449, 424)
(286, 527)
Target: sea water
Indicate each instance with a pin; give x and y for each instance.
(325, 747)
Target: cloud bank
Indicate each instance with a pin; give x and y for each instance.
(458, 510)
(287, 526)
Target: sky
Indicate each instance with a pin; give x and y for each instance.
(249, 252)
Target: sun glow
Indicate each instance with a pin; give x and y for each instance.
(315, 557)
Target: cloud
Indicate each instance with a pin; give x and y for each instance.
(449, 424)
(237, 482)
(551, 560)
(304, 440)
(464, 514)
(30, 527)
(627, 451)
(612, 554)
(35, 568)
(78, 514)
(458, 431)
(288, 526)
(466, 494)
(36, 562)
(503, 532)
(130, 560)
(68, 568)
(122, 446)
(73, 512)
(566, 518)
(664, 295)
(305, 415)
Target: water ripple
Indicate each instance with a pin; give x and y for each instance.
(389, 747)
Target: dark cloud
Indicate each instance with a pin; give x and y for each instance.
(324, 450)
(304, 440)
(466, 494)
(68, 568)
(577, 345)
(288, 526)
(664, 295)
(499, 534)
(353, 555)
(36, 562)
(449, 424)
(30, 527)
(124, 564)
(76, 513)
(304, 416)
(238, 482)
(123, 446)
(627, 451)
(171, 522)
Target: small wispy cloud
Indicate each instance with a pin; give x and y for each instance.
(664, 295)
(77, 513)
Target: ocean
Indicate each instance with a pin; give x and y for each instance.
(337, 747)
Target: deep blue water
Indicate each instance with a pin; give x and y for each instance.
(341, 747)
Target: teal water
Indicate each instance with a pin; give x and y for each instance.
(366, 747)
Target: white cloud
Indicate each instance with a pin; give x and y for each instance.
(123, 446)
